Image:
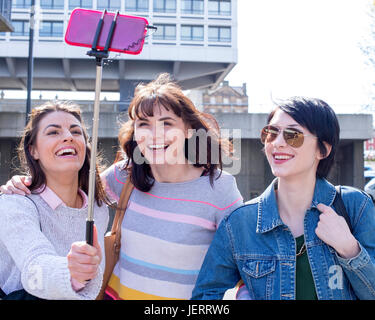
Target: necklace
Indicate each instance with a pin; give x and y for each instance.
(301, 251)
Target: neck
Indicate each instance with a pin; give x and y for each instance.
(294, 197)
(66, 188)
(175, 173)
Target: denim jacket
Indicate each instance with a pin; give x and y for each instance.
(254, 244)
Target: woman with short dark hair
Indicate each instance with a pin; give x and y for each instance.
(290, 242)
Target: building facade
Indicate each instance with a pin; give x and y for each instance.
(226, 99)
(5, 16)
(196, 42)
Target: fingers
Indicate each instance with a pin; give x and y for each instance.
(96, 243)
(17, 185)
(83, 261)
(325, 209)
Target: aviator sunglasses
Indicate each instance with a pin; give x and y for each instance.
(292, 137)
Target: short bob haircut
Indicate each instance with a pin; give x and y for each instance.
(166, 93)
(319, 118)
(31, 167)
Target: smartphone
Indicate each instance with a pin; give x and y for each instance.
(128, 36)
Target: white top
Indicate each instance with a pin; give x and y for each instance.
(36, 260)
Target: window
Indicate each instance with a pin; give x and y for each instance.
(192, 33)
(166, 6)
(219, 7)
(80, 4)
(109, 4)
(192, 6)
(21, 28)
(219, 34)
(52, 4)
(136, 5)
(165, 32)
(21, 3)
(51, 29)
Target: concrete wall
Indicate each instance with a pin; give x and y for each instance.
(254, 174)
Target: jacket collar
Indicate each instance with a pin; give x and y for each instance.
(268, 213)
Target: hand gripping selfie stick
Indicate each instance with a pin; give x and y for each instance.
(124, 42)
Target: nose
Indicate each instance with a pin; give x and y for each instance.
(279, 141)
(158, 132)
(67, 136)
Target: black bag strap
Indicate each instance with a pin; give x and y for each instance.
(338, 203)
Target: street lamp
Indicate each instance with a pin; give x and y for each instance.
(30, 63)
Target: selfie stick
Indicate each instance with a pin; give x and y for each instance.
(99, 55)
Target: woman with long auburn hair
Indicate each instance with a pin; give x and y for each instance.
(172, 153)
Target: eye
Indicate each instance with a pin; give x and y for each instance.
(167, 123)
(53, 132)
(77, 132)
(142, 124)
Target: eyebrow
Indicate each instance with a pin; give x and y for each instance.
(59, 127)
(161, 119)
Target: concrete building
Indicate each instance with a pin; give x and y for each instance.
(5, 13)
(196, 42)
(226, 99)
(251, 169)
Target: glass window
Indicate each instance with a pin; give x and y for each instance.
(21, 3)
(109, 4)
(165, 32)
(192, 33)
(21, 28)
(166, 6)
(192, 6)
(219, 34)
(219, 7)
(51, 29)
(136, 5)
(80, 4)
(52, 4)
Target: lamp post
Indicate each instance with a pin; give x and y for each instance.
(30, 63)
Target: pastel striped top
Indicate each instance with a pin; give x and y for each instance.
(166, 233)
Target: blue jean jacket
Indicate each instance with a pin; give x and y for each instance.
(254, 244)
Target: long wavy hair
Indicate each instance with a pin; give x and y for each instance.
(31, 167)
(166, 93)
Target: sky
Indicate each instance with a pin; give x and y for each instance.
(303, 48)
(298, 48)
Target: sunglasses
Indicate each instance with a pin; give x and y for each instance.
(292, 137)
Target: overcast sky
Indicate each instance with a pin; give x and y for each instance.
(302, 47)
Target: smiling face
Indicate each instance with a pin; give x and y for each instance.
(161, 137)
(287, 161)
(60, 145)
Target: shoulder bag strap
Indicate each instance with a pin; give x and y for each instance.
(120, 211)
(338, 203)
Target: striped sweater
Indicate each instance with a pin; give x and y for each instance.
(166, 233)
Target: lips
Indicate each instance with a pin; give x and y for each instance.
(66, 151)
(281, 157)
(157, 147)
